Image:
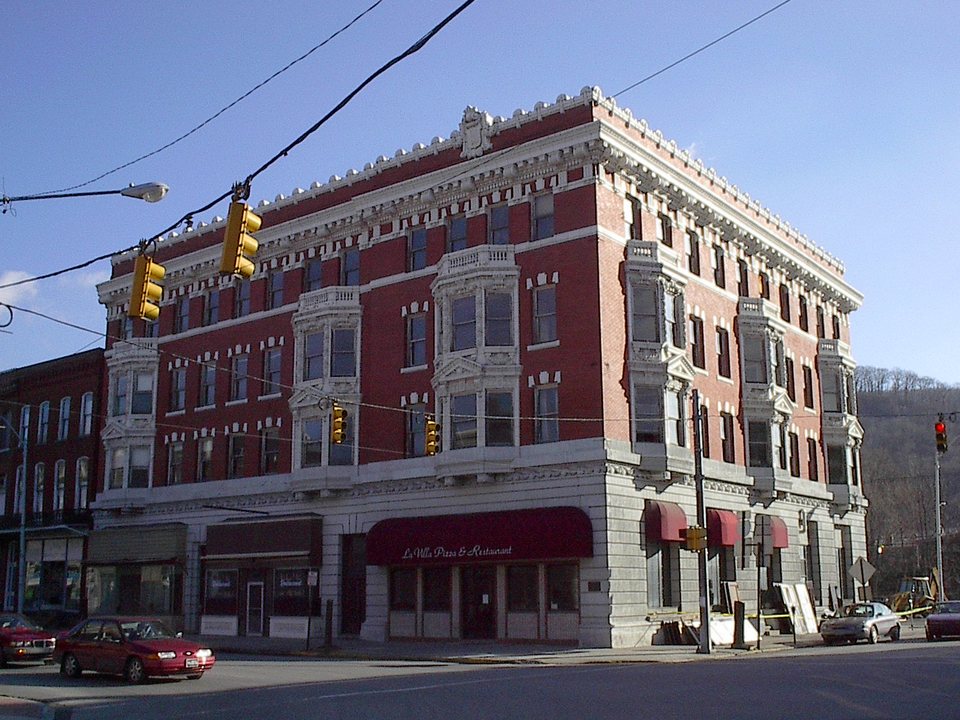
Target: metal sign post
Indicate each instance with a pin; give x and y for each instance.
(701, 522)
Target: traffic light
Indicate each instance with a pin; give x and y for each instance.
(238, 244)
(433, 436)
(695, 538)
(940, 427)
(338, 424)
(146, 293)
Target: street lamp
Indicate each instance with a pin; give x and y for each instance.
(22, 559)
(150, 192)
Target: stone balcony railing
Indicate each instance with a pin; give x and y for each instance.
(481, 257)
(329, 299)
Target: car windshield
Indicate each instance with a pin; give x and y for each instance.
(146, 630)
(949, 607)
(858, 611)
(16, 622)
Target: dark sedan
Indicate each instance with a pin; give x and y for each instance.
(22, 641)
(136, 648)
(944, 621)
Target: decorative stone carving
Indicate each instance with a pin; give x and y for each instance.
(475, 129)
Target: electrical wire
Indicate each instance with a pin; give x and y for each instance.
(390, 408)
(416, 47)
(701, 49)
(222, 110)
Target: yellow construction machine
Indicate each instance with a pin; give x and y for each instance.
(917, 594)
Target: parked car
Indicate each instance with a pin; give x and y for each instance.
(22, 641)
(861, 621)
(136, 648)
(944, 621)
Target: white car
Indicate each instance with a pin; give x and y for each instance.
(861, 621)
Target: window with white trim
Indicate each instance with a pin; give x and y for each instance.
(543, 216)
(63, 419)
(43, 422)
(499, 225)
(545, 314)
(464, 335)
(499, 419)
(86, 414)
(81, 499)
(59, 484)
(547, 414)
(463, 421)
(648, 414)
(39, 481)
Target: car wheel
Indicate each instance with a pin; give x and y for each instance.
(3, 659)
(873, 635)
(69, 666)
(895, 633)
(134, 672)
(194, 676)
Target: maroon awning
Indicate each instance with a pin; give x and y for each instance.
(778, 532)
(723, 528)
(665, 521)
(510, 535)
(294, 537)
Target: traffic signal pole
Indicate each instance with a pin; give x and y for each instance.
(936, 519)
(704, 648)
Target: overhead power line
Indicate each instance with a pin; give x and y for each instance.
(416, 47)
(701, 49)
(412, 49)
(221, 111)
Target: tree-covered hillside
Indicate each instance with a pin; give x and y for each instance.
(898, 410)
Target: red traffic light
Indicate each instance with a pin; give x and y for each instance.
(940, 428)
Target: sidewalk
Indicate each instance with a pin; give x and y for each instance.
(470, 652)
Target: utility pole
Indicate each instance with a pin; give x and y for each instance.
(936, 519)
(704, 648)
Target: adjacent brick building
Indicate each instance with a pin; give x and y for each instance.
(49, 413)
(551, 287)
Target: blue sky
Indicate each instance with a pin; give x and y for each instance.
(841, 117)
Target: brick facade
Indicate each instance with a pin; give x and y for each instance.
(551, 288)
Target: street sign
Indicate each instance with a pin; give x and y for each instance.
(862, 570)
(312, 578)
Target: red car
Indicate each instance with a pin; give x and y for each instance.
(21, 640)
(136, 648)
(944, 621)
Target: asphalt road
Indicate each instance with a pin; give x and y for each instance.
(910, 679)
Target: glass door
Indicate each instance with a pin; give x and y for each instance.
(254, 608)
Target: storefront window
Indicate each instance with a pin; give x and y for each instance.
(159, 589)
(221, 596)
(562, 595)
(522, 588)
(290, 592)
(436, 589)
(53, 574)
(403, 589)
(102, 590)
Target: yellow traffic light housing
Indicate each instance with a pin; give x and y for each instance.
(238, 244)
(695, 538)
(146, 293)
(338, 424)
(432, 445)
(940, 428)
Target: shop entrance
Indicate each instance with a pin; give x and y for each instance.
(478, 588)
(353, 590)
(254, 608)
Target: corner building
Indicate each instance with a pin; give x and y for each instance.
(551, 288)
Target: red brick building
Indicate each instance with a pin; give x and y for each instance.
(50, 414)
(551, 287)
